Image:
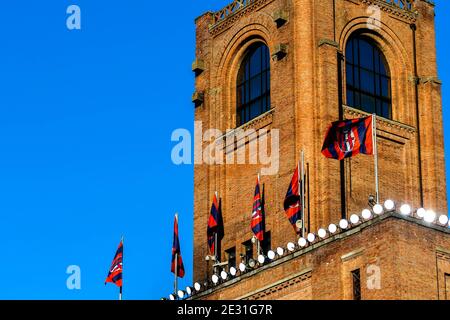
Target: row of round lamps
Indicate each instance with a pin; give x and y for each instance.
(428, 216)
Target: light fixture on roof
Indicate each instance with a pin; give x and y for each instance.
(180, 294)
(343, 224)
(421, 213)
(311, 237)
(322, 233)
(242, 267)
(389, 205)
(271, 255)
(172, 297)
(430, 216)
(332, 228)
(233, 271)
(261, 259)
(354, 219)
(405, 209)
(280, 251)
(366, 214)
(251, 263)
(378, 209)
(197, 286)
(224, 275)
(443, 219)
(254, 239)
(302, 242)
(291, 247)
(189, 290)
(215, 278)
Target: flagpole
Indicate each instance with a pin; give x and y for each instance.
(215, 234)
(258, 244)
(175, 284)
(120, 289)
(375, 153)
(299, 183)
(303, 192)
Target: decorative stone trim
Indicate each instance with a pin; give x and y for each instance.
(394, 9)
(279, 51)
(227, 16)
(280, 17)
(382, 123)
(443, 254)
(352, 255)
(329, 42)
(280, 285)
(198, 66)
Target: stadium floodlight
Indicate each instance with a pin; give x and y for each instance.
(224, 275)
(271, 255)
(180, 294)
(172, 297)
(215, 278)
(405, 210)
(302, 242)
(197, 286)
(242, 267)
(322, 233)
(332, 228)
(443, 219)
(261, 259)
(311, 237)
(343, 224)
(291, 247)
(280, 251)
(389, 205)
(421, 213)
(366, 214)
(354, 219)
(251, 263)
(430, 216)
(378, 209)
(233, 271)
(189, 290)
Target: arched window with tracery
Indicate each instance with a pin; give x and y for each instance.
(368, 78)
(253, 84)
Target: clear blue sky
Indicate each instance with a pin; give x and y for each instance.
(85, 124)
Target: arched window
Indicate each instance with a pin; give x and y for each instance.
(368, 79)
(253, 84)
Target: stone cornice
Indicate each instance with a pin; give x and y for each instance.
(395, 10)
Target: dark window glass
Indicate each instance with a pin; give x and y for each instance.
(248, 250)
(231, 256)
(253, 85)
(266, 243)
(356, 278)
(368, 79)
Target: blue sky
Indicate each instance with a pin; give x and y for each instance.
(85, 124)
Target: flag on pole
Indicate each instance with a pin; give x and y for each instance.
(115, 272)
(292, 203)
(349, 138)
(177, 262)
(215, 225)
(257, 223)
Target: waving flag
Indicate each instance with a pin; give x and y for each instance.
(257, 223)
(215, 225)
(292, 203)
(115, 272)
(348, 138)
(177, 262)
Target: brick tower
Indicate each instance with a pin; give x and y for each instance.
(286, 69)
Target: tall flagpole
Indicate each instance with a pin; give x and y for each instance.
(375, 153)
(215, 234)
(258, 244)
(175, 285)
(120, 290)
(303, 192)
(299, 184)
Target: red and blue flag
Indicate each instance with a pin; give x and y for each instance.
(215, 225)
(115, 272)
(292, 203)
(349, 138)
(177, 262)
(257, 223)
